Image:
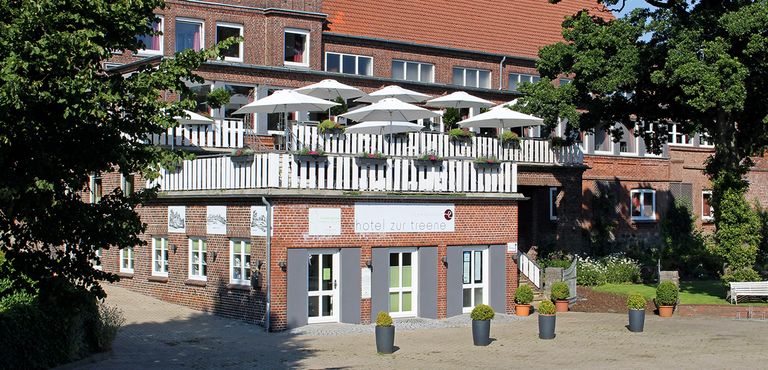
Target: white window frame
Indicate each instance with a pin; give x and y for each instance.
(464, 76)
(703, 138)
(553, 193)
(631, 132)
(533, 79)
(711, 217)
(241, 47)
(306, 47)
(430, 79)
(643, 193)
(96, 263)
(485, 284)
(609, 137)
(161, 40)
(242, 243)
(414, 282)
(673, 131)
(190, 20)
(93, 188)
(127, 252)
(163, 247)
(201, 259)
(124, 183)
(341, 63)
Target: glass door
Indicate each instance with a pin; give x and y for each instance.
(323, 287)
(474, 277)
(402, 282)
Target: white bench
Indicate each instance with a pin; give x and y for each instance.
(752, 289)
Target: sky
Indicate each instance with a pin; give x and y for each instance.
(632, 4)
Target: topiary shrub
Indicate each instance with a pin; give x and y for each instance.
(482, 312)
(524, 294)
(383, 319)
(560, 291)
(635, 302)
(547, 308)
(666, 294)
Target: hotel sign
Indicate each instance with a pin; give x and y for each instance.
(404, 218)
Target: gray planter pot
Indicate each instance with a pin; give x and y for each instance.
(636, 320)
(385, 339)
(547, 326)
(481, 332)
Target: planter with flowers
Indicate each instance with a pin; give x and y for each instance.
(428, 159)
(243, 155)
(372, 158)
(309, 155)
(461, 135)
(487, 162)
(330, 127)
(510, 139)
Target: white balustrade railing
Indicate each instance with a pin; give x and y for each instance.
(418, 143)
(337, 172)
(227, 134)
(529, 269)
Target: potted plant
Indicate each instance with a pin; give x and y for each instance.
(557, 142)
(636, 306)
(371, 158)
(509, 138)
(481, 316)
(547, 320)
(308, 154)
(523, 299)
(666, 298)
(242, 155)
(487, 162)
(459, 134)
(385, 333)
(428, 159)
(560, 294)
(330, 127)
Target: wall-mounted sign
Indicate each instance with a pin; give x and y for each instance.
(216, 220)
(404, 218)
(325, 221)
(365, 283)
(512, 247)
(259, 221)
(177, 219)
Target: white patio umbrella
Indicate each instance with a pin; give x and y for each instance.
(192, 118)
(394, 91)
(383, 127)
(331, 89)
(459, 99)
(389, 110)
(502, 117)
(284, 101)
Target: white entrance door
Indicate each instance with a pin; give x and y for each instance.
(474, 263)
(402, 282)
(323, 287)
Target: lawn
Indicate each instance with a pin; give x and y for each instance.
(691, 292)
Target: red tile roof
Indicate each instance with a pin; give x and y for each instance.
(515, 27)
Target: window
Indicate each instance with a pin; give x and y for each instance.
(472, 77)
(240, 262)
(226, 30)
(402, 283)
(159, 256)
(189, 34)
(126, 260)
(603, 142)
(153, 44)
(677, 137)
(628, 142)
(707, 211)
(553, 193)
(97, 191)
(516, 79)
(643, 204)
(413, 71)
(349, 64)
(565, 81)
(296, 47)
(197, 254)
(474, 278)
(705, 140)
(96, 262)
(127, 184)
(200, 96)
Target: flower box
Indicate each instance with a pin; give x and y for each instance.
(364, 161)
(310, 157)
(246, 158)
(487, 164)
(428, 162)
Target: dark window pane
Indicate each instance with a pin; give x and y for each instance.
(332, 63)
(223, 33)
(294, 47)
(412, 72)
(467, 297)
(406, 259)
(364, 66)
(327, 272)
(187, 36)
(398, 70)
(393, 259)
(313, 309)
(327, 305)
(314, 271)
(458, 76)
(348, 64)
(513, 81)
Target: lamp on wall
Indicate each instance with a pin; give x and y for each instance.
(369, 264)
(214, 255)
(174, 247)
(444, 259)
(283, 265)
(258, 264)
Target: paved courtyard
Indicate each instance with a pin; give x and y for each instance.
(166, 336)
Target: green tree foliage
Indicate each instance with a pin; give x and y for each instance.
(451, 117)
(738, 237)
(63, 117)
(685, 248)
(700, 64)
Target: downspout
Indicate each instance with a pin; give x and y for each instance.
(501, 72)
(269, 262)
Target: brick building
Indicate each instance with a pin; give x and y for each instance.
(350, 238)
